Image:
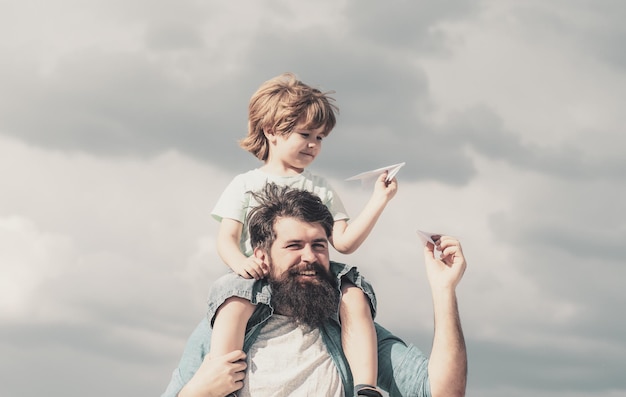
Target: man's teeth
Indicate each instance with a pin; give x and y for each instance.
(308, 273)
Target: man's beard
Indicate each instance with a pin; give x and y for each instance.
(308, 302)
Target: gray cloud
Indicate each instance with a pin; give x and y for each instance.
(404, 25)
(145, 101)
(127, 105)
(120, 104)
(543, 370)
(594, 27)
(135, 102)
(568, 239)
(67, 351)
(482, 130)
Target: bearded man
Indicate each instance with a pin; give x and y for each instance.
(293, 340)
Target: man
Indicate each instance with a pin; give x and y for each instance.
(293, 340)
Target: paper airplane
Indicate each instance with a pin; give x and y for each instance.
(428, 237)
(372, 175)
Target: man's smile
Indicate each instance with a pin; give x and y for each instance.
(308, 272)
(308, 275)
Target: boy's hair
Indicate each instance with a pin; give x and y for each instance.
(281, 103)
(284, 202)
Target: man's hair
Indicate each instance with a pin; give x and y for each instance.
(281, 103)
(284, 202)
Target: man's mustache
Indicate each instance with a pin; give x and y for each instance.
(307, 268)
(303, 269)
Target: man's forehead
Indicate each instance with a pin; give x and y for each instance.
(287, 228)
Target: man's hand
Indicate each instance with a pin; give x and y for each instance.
(217, 376)
(447, 366)
(251, 268)
(446, 271)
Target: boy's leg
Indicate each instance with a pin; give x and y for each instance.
(229, 326)
(358, 338)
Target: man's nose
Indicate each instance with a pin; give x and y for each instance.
(308, 255)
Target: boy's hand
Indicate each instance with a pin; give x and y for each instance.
(251, 268)
(384, 188)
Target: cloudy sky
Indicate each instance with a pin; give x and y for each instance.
(118, 129)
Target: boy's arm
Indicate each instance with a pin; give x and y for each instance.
(346, 237)
(228, 248)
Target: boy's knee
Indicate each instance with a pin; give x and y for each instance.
(352, 293)
(235, 307)
(354, 300)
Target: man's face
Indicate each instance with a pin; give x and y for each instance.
(302, 285)
(298, 244)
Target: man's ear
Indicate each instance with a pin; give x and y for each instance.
(259, 253)
(264, 258)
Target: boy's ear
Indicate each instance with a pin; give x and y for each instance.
(270, 135)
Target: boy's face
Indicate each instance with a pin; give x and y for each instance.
(297, 150)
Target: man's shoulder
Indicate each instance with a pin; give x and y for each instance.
(339, 269)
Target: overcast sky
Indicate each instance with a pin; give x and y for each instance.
(119, 122)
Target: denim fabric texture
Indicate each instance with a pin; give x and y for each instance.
(402, 368)
(259, 292)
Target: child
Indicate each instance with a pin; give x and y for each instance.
(287, 121)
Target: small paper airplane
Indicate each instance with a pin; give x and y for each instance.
(372, 175)
(428, 237)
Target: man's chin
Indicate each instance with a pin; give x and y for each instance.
(308, 299)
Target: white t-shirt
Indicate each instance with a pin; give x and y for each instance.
(235, 201)
(290, 360)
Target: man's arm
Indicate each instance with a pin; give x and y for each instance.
(447, 367)
(217, 377)
(198, 375)
(196, 348)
